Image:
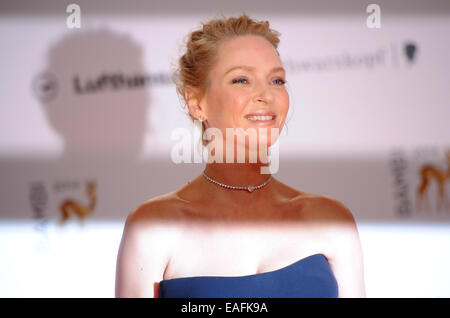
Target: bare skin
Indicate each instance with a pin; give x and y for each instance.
(204, 229)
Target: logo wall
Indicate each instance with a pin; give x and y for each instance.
(421, 182)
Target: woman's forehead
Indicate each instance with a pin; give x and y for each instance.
(247, 59)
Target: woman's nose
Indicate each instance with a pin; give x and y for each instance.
(264, 95)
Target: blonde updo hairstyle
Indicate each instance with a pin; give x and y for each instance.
(201, 45)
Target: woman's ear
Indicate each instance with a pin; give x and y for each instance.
(192, 96)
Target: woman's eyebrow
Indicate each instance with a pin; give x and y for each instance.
(251, 68)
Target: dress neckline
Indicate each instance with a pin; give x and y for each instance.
(251, 275)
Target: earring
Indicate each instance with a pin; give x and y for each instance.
(201, 118)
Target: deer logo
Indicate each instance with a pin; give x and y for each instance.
(428, 173)
(70, 206)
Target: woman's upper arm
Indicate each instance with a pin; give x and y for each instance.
(346, 259)
(142, 256)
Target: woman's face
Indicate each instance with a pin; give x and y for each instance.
(247, 78)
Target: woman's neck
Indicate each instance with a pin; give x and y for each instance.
(237, 174)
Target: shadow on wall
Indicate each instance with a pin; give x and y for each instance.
(93, 93)
(97, 103)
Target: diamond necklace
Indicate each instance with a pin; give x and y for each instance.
(250, 188)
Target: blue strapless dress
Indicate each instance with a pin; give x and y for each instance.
(310, 277)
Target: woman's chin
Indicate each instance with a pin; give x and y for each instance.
(261, 144)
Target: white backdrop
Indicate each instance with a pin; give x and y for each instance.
(369, 111)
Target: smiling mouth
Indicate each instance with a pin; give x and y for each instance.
(261, 118)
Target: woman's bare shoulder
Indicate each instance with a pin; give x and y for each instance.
(321, 207)
(164, 207)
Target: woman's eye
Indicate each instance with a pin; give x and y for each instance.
(238, 80)
(244, 80)
(281, 81)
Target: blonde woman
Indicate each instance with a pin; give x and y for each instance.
(234, 231)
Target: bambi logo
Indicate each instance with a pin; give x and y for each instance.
(70, 206)
(428, 173)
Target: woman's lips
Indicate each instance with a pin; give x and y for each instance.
(262, 122)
